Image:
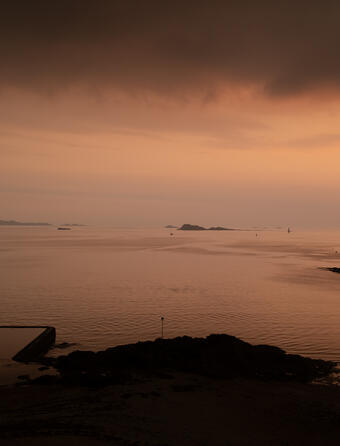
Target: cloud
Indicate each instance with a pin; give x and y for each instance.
(170, 47)
(313, 142)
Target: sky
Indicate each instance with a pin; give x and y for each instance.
(131, 113)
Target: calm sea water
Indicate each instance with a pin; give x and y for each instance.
(102, 287)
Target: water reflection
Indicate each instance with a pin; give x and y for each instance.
(103, 287)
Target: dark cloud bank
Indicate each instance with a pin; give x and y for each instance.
(167, 46)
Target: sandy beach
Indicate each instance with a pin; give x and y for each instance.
(180, 409)
(217, 390)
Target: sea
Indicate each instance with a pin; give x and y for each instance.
(101, 287)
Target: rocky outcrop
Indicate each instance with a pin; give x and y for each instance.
(216, 356)
(188, 227)
(334, 269)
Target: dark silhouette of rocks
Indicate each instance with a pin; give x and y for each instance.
(216, 356)
(19, 223)
(188, 227)
(220, 228)
(64, 345)
(334, 269)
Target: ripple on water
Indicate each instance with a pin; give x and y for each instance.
(108, 287)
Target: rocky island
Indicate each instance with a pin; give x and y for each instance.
(188, 227)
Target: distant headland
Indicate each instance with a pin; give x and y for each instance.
(33, 223)
(188, 227)
(20, 223)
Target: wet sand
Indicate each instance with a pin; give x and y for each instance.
(176, 409)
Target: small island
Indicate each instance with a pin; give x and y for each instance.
(220, 228)
(19, 223)
(189, 227)
(334, 269)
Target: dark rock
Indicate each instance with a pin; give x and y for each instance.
(187, 227)
(334, 269)
(64, 345)
(219, 228)
(23, 377)
(78, 360)
(216, 356)
(46, 380)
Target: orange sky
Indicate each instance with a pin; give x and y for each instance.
(195, 143)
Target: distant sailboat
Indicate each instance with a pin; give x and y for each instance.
(289, 230)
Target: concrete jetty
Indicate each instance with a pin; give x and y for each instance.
(38, 346)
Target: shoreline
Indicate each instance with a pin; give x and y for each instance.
(157, 393)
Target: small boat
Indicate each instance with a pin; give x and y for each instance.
(64, 229)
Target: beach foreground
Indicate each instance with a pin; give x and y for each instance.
(183, 410)
(158, 393)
